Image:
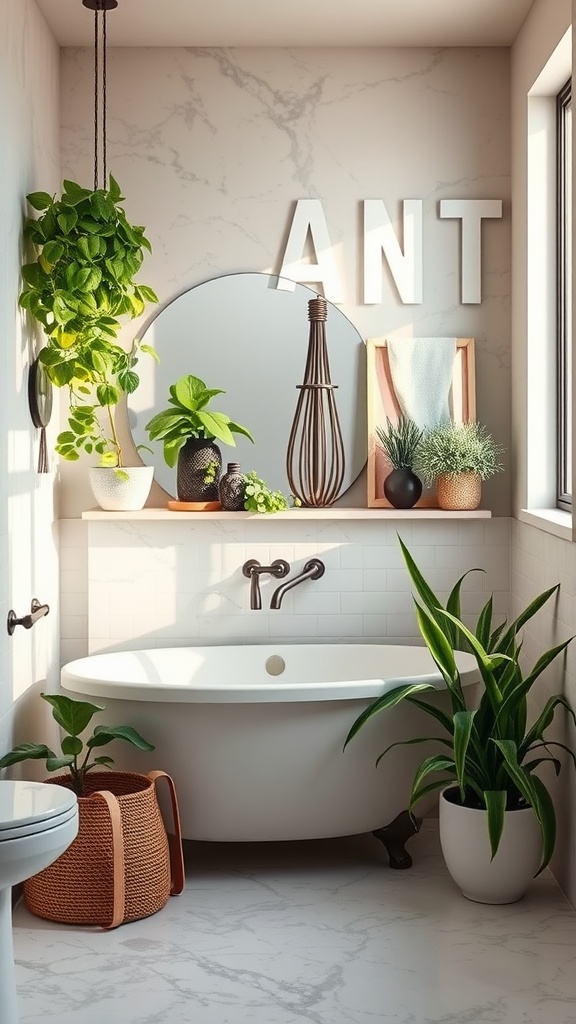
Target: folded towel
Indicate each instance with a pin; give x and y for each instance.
(421, 371)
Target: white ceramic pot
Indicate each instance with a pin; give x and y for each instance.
(115, 494)
(466, 849)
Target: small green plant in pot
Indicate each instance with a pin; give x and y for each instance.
(73, 717)
(399, 443)
(79, 288)
(457, 457)
(189, 431)
(490, 756)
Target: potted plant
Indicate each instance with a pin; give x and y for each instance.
(497, 819)
(121, 866)
(457, 457)
(189, 431)
(78, 287)
(399, 442)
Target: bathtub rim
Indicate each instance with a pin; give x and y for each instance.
(74, 676)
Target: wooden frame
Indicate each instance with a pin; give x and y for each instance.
(382, 403)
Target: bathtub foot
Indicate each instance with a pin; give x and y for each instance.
(395, 835)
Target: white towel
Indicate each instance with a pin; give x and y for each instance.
(421, 370)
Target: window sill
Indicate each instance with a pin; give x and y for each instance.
(550, 520)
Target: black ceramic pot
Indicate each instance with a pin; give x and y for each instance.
(232, 489)
(402, 488)
(198, 470)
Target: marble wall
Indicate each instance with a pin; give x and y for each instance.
(213, 147)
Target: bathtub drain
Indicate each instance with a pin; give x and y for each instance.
(275, 665)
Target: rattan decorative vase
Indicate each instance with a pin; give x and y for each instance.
(459, 493)
(123, 865)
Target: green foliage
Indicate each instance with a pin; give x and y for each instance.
(73, 717)
(491, 754)
(189, 417)
(78, 287)
(399, 442)
(259, 497)
(455, 448)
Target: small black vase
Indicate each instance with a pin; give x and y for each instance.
(402, 488)
(232, 489)
(198, 471)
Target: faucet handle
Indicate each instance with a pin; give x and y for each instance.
(279, 568)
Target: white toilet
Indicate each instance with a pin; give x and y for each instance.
(38, 822)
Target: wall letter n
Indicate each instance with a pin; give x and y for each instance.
(379, 237)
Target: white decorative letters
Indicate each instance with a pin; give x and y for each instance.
(471, 212)
(379, 237)
(309, 218)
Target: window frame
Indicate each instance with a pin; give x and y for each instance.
(564, 411)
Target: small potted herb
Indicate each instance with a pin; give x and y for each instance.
(189, 431)
(457, 457)
(399, 443)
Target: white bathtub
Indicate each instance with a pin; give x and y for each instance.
(257, 756)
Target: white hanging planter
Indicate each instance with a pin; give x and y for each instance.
(466, 849)
(116, 494)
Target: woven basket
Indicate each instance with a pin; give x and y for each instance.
(459, 493)
(122, 865)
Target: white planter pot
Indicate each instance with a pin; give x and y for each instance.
(466, 849)
(114, 494)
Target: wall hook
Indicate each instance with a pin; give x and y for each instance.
(37, 611)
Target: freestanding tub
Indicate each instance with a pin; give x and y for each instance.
(253, 735)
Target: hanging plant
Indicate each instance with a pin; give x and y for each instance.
(79, 288)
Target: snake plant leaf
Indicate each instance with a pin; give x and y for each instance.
(427, 595)
(545, 719)
(555, 743)
(525, 616)
(484, 624)
(463, 724)
(544, 809)
(524, 686)
(431, 765)
(437, 713)
(495, 801)
(442, 653)
(418, 794)
(486, 662)
(417, 739)
(388, 700)
(72, 715)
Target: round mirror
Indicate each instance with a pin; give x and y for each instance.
(243, 334)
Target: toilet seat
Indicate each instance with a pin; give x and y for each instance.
(27, 808)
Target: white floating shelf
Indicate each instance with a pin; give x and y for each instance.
(336, 513)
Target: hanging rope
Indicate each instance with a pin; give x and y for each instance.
(100, 7)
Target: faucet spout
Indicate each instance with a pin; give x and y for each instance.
(313, 570)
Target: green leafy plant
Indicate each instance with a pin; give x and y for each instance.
(259, 497)
(455, 448)
(399, 442)
(73, 717)
(78, 287)
(189, 417)
(489, 752)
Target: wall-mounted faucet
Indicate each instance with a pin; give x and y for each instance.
(253, 571)
(313, 570)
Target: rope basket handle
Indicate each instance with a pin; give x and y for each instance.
(174, 838)
(118, 872)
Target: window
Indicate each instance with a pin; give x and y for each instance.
(564, 297)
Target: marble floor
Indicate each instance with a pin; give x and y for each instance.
(309, 933)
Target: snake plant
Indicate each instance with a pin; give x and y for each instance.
(489, 752)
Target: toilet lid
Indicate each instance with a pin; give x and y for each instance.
(35, 805)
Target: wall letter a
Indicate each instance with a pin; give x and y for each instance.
(309, 217)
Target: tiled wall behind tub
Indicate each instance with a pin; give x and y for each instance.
(134, 583)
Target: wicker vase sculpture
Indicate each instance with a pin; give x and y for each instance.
(123, 865)
(315, 459)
